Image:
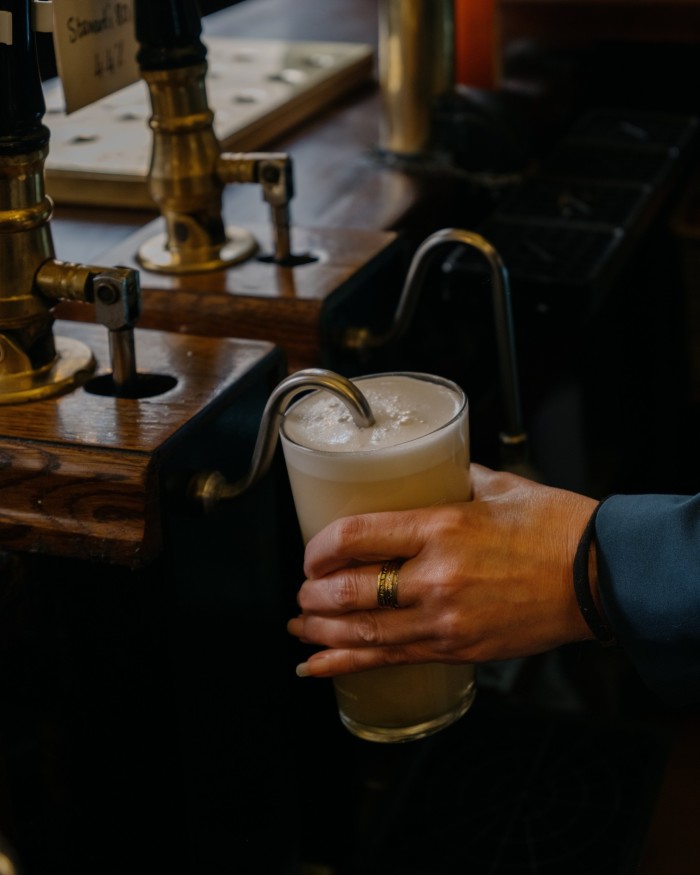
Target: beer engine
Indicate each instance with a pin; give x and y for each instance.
(33, 363)
(125, 743)
(188, 170)
(199, 275)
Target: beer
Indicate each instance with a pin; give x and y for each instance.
(415, 455)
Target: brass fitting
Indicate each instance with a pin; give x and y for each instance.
(116, 295)
(188, 172)
(272, 171)
(183, 181)
(416, 66)
(33, 363)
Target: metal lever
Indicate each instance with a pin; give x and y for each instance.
(273, 172)
(117, 307)
(116, 294)
(212, 488)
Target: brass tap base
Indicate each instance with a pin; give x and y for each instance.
(73, 364)
(155, 255)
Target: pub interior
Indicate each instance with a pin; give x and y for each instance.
(150, 717)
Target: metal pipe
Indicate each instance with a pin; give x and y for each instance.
(423, 259)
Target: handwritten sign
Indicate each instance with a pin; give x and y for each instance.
(95, 47)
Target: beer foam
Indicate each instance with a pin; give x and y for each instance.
(405, 408)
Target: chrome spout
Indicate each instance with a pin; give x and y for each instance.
(513, 436)
(211, 489)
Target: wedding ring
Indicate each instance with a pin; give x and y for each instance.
(388, 584)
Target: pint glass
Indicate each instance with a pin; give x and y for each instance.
(415, 455)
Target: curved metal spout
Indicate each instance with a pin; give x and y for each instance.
(212, 488)
(514, 433)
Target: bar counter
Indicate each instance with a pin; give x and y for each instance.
(341, 183)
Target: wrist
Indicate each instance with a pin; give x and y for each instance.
(585, 581)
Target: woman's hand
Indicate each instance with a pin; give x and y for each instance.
(482, 580)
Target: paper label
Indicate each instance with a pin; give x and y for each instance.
(96, 48)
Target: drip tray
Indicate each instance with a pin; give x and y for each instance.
(509, 790)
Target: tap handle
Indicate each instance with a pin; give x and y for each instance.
(21, 96)
(273, 172)
(168, 32)
(117, 297)
(277, 183)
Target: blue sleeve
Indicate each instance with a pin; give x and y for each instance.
(648, 550)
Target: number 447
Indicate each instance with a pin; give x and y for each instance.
(109, 60)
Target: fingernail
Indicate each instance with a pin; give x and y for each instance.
(303, 670)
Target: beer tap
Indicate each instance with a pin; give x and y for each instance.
(513, 438)
(188, 170)
(210, 489)
(33, 363)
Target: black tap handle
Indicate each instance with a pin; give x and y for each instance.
(168, 33)
(22, 104)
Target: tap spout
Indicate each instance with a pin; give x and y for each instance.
(424, 257)
(212, 488)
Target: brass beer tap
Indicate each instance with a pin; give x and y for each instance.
(33, 363)
(416, 68)
(188, 170)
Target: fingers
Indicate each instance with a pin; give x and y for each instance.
(362, 629)
(374, 537)
(342, 610)
(368, 538)
(351, 589)
(329, 663)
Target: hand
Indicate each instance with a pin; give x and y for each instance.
(482, 580)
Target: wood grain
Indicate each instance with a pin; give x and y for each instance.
(79, 474)
(256, 300)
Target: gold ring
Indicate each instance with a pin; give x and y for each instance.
(388, 584)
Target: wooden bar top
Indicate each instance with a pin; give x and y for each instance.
(79, 473)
